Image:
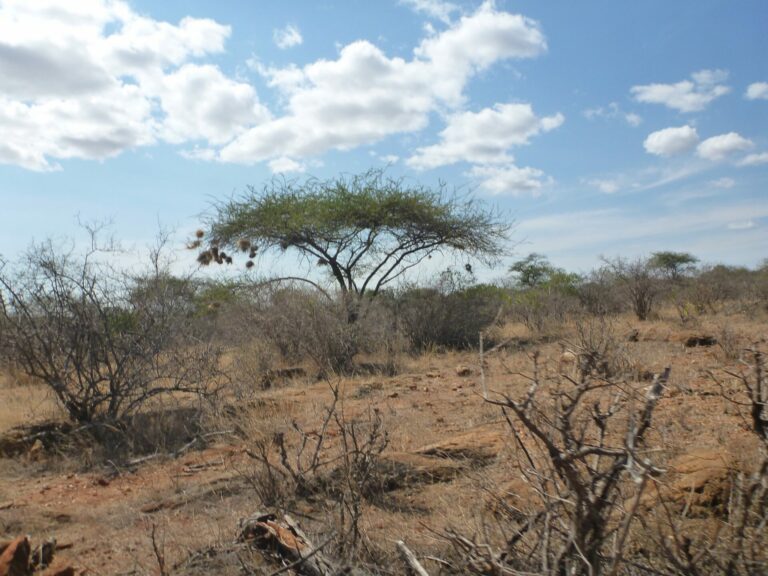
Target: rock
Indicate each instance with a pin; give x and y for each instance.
(14, 560)
(699, 480)
(464, 371)
(401, 469)
(703, 480)
(480, 445)
(700, 340)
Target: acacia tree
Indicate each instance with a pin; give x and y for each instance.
(673, 265)
(367, 230)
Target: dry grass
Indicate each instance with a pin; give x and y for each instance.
(23, 401)
(427, 402)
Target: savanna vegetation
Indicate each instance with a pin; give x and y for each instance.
(353, 416)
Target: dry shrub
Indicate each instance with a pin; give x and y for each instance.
(335, 462)
(105, 341)
(542, 310)
(449, 314)
(582, 451)
(304, 325)
(599, 350)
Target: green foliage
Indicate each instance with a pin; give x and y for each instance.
(365, 230)
(451, 313)
(533, 270)
(673, 265)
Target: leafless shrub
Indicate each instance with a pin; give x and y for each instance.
(543, 310)
(599, 295)
(598, 349)
(336, 460)
(639, 281)
(730, 342)
(736, 545)
(582, 450)
(106, 342)
(303, 325)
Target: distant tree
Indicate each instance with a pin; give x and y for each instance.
(641, 285)
(533, 270)
(674, 265)
(366, 230)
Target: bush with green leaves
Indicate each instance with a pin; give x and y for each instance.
(543, 295)
(451, 313)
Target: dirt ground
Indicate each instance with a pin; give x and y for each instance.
(103, 514)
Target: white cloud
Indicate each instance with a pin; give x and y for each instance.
(744, 225)
(613, 111)
(93, 78)
(287, 37)
(510, 179)
(473, 44)
(201, 102)
(724, 182)
(484, 137)
(364, 95)
(605, 186)
(671, 141)
(285, 165)
(754, 159)
(688, 95)
(757, 91)
(437, 9)
(720, 147)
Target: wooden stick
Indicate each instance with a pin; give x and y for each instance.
(410, 558)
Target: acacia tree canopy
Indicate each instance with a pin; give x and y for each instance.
(367, 229)
(673, 264)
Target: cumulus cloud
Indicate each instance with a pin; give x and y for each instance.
(484, 137)
(718, 148)
(754, 159)
(284, 165)
(363, 95)
(510, 179)
(436, 9)
(611, 112)
(692, 95)
(757, 91)
(671, 141)
(200, 102)
(287, 37)
(92, 79)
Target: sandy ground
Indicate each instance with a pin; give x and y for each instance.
(105, 513)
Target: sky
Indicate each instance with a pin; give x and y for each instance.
(601, 128)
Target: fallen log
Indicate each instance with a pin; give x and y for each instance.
(286, 542)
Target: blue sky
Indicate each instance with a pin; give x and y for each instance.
(600, 127)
